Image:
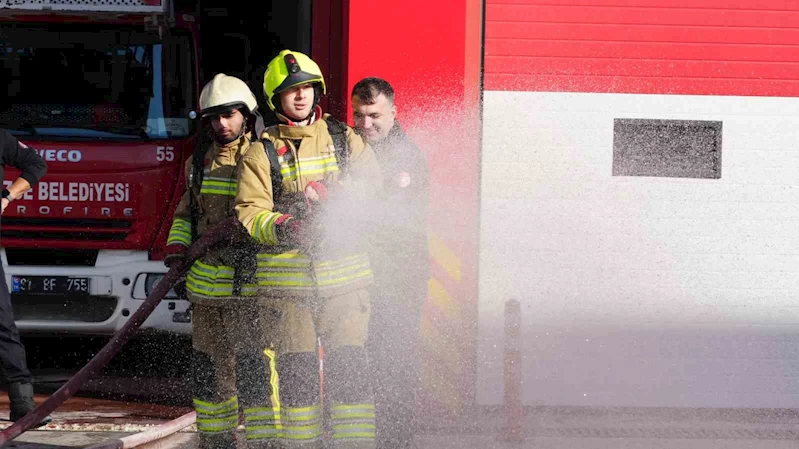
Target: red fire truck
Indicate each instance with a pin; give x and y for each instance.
(103, 91)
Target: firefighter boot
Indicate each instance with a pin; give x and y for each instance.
(20, 397)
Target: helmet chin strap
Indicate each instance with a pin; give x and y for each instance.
(317, 94)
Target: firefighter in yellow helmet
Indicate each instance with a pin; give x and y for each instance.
(313, 273)
(229, 364)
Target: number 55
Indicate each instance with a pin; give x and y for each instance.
(164, 154)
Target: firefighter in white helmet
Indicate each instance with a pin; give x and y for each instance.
(229, 363)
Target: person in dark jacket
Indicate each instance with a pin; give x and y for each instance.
(12, 352)
(399, 254)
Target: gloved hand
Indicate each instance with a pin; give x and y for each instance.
(295, 204)
(303, 234)
(321, 191)
(316, 191)
(175, 256)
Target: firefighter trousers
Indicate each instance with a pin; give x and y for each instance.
(230, 372)
(12, 352)
(299, 419)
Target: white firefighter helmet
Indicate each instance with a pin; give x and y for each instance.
(225, 93)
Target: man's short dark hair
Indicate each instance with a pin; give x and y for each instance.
(368, 89)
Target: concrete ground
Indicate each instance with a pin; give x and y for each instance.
(82, 422)
(146, 386)
(185, 440)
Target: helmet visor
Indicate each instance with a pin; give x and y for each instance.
(297, 79)
(223, 108)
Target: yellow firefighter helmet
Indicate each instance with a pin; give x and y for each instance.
(289, 69)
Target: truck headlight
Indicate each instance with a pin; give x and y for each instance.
(153, 279)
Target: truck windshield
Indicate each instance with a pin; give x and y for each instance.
(88, 81)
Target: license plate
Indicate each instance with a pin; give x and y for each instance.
(49, 285)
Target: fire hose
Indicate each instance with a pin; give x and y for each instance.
(148, 436)
(228, 229)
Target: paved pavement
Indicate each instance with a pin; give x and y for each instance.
(186, 440)
(145, 387)
(82, 422)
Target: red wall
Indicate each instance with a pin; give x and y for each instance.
(430, 52)
(705, 47)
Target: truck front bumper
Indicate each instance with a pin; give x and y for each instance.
(119, 282)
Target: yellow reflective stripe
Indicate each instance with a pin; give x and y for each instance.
(303, 410)
(220, 271)
(285, 263)
(283, 283)
(198, 281)
(218, 288)
(269, 432)
(334, 273)
(361, 421)
(283, 256)
(349, 411)
(201, 290)
(311, 165)
(287, 170)
(217, 417)
(342, 261)
(262, 433)
(283, 274)
(179, 238)
(221, 426)
(349, 407)
(264, 422)
(180, 232)
(216, 428)
(181, 223)
(218, 191)
(358, 435)
(218, 186)
(264, 227)
(301, 261)
(291, 260)
(210, 407)
(301, 432)
(302, 414)
(351, 427)
(318, 161)
(221, 184)
(249, 290)
(345, 279)
(306, 280)
(207, 280)
(293, 270)
(356, 416)
(359, 431)
(319, 171)
(273, 378)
